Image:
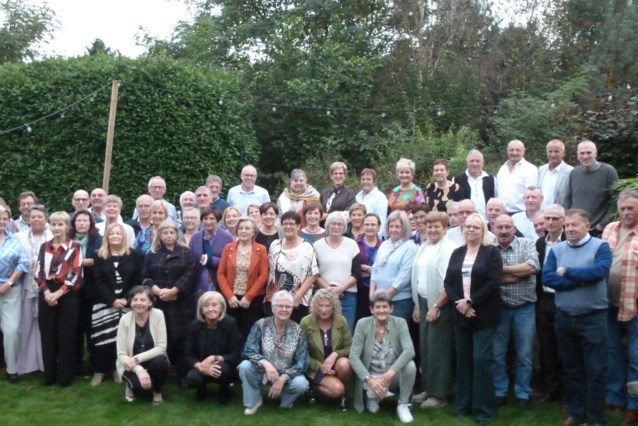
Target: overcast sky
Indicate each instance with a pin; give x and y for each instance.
(116, 22)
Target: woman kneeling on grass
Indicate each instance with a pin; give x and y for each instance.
(329, 343)
(141, 347)
(276, 355)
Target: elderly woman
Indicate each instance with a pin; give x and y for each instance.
(276, 355)
(433, 313)
(297, 194)
(191, 221)
(83, 229)
(442, 190)
(141, 347)
(472, 284)
(254, 213)
(393, 265)
(229, 220)
(242, 276)
(116, 271)
(159, 213)
(293, 267)
(356, 213)
(329, 341)
(30, 341)
(339, 265)
(213, 347)
(312, 214)
(186, 199)
(268, 230)
(14, 262)
(169, 270)
(207, 246)
(381, 357)
(337, 198)
(59, 277)
(369, 244)
(407, 194)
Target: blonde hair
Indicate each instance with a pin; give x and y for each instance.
(486, 241)
(338, 165)
(325, 295)
(160, 204)
(157, 242)
(60, 217)
(405, 163)
(105, 250)
(204, 298)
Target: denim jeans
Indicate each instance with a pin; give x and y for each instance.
(403, 309)
(622, 360)
(582, 344)
(519, 320)
(349, 308)
(252, 380)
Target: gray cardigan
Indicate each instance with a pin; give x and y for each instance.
(363, 348)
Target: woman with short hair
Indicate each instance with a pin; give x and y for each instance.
(442, 190)
(229, 220)
(356, 213)
(407, 194)
(369, 243)
(329, 341)
(159, 213)
(190, 222)
(141, 347)
(213, 347)
(116, 271)
(312, 214)
(276, 355)
(269, 231)
(337, 198)
(296, 195)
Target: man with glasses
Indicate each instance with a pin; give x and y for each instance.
(157, 189)
(466, 208)
(80, 201)
(554, 216)
(26, 200)
(517, 313)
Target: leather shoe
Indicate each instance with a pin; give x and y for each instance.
(523, 403)
(630, 416)
(501, 401)
(13, 378)
(569, 421)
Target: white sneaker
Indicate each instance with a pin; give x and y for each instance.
(249, 411)
(403, 411)
(420, 397)
(433, 402)
(372, 404)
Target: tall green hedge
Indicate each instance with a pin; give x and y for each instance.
(173, 120)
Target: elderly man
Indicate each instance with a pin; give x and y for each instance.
(538, 220)
(578, 270)
(589, 187)
(80, 200)
(524, 221)
(157, 189)
(186, 199)
(370, 196)
(495, 208)
(143, 220)
(466, 208)
(553, 177)
(215, 185)
(203, 197)
(517, 313)
(554, 216)
(515, 176)
(622, 237)
(112, 210)
(25, 201)
(97, 204)
(477, 185)
(241, 196)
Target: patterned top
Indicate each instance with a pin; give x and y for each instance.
(289, 268)
(436, 197)
(400, 199)
(12, 257)
(628, 268)
(241, 273)
(287, 353)
(520, 250)
(383, 356)
(59, 268)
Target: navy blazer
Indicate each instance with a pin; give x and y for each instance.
(485, 290)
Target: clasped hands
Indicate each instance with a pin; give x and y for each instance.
(464, 306)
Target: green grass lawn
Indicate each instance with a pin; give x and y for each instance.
(30, 403)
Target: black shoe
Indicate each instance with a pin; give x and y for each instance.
(311, 396)
(13, 378)
(202, 393)
(501, 401)
(523, 403)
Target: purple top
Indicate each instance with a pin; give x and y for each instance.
(200, 244)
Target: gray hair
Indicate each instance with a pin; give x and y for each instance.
(405, 163)
(561, 209)
(402, 216)
(280, 296)
(335, 216)
(298, 173)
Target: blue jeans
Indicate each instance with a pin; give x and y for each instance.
(582, 345)
(521, 321)
(623, 361)
(252, 380)
(349, 308)
(403, 309)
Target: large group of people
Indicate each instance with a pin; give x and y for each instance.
(334, 293)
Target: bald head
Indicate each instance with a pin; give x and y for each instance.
(80, 200)
(466, 208)
(587, 154)
(495, 207)
(515, 151)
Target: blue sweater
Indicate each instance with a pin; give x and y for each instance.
(396, 271)
(583, 287)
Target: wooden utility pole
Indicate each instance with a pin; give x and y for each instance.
(109, 136)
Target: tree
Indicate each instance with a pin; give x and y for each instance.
(98, 47)
(23, 27)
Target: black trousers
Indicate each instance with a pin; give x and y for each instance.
(105, 356)
(547, 345)
(58, 327)
(195, 379)
(156, 367)
(246, 318)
